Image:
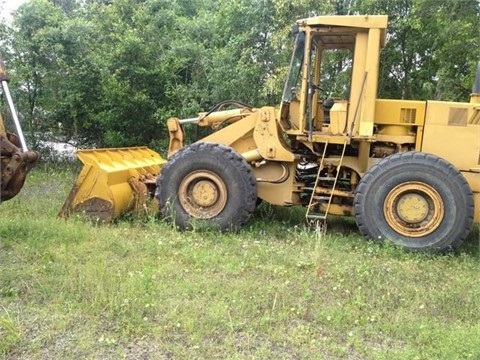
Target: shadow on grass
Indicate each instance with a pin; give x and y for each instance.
(270, 217)
(295, 216)
(471, 245)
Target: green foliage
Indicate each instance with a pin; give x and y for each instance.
(276, 290)
(432, 48)
(109, 73)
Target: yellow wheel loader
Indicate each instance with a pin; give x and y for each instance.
(15, 158)
(408, 171)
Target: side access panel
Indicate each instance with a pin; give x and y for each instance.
(452, 132)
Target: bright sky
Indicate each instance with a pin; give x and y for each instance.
(7, 6)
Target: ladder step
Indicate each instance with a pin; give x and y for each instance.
(321, 198)
(332, 160)
(321, 217)
(326, 179)
(337, 161)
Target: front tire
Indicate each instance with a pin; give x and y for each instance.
(207, 185)
(417, 201)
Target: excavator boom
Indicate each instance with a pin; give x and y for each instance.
(16, 160)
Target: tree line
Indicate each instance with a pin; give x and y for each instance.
(109, 73)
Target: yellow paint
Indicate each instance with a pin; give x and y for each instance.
(112, 177)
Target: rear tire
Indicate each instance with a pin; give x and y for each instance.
(417, 201)
(207, 185)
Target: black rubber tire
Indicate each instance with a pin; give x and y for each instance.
(229, 170)
(426, 171)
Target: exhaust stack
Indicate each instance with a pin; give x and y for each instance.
(475, 96)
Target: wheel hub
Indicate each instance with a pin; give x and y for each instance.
(202, 194)
(414, 209)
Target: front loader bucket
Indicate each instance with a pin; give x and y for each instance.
(112, 182)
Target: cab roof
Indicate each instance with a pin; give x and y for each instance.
(341, 29)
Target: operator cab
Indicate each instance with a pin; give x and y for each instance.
(315, 103)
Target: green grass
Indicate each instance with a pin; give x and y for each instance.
(138, 288)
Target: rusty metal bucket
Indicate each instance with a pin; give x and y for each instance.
(14, 165)
(113, 181)
(15, 158)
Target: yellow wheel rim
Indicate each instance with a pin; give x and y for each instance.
(202, 194)
(414, 209)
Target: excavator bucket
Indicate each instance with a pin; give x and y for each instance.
(14, 164)
(15, 158)
(112, 182)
